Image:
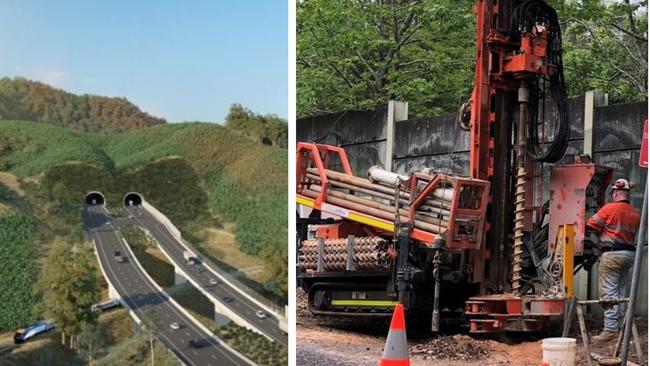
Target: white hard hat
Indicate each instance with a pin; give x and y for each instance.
(621, 185)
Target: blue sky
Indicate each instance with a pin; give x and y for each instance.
(181, 60)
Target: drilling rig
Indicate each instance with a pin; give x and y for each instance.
(480, 243)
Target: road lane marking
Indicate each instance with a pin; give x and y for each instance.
(164, 304)
(160, 232)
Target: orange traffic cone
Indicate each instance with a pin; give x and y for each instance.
(396, 350)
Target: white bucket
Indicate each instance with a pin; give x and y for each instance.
(559, 351)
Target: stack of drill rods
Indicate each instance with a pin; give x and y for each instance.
(422, 208)
(368, 253)
(347, 203)
(440, 197)
(367, 244)
(391, 209)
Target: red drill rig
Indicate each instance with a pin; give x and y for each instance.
(479, 246)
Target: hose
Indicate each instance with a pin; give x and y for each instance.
(529, 14)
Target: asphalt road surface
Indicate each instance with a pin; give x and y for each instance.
(142, 297)
(238, 303)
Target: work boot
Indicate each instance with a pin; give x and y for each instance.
(605, 336)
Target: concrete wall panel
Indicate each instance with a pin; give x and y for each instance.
(428, 136)
(619, 126)
(343, 128)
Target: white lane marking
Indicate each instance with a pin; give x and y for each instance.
(136, 308)
(172, 308)
(227, 289)
(167, 235)
(163, 304)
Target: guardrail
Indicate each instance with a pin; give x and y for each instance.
(268, 305)
(132, 313)
(182, 309)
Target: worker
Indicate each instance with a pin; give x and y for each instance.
(616, 224)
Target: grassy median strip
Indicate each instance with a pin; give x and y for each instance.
(150, 257)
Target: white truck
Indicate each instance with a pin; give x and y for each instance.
(190, 257)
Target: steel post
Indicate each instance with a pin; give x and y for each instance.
(636, 273)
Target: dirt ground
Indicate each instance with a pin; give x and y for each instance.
(348, 342)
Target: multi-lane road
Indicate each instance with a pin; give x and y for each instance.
(201, 274)
(142, 297)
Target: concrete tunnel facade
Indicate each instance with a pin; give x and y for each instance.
(132, 199)
(95, 198)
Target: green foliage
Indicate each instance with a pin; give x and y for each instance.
(252, 345)
(137, 239)
(357, 54)
(5, 193)
(90, 341)
(267, 129)
(68, 286)
(18, 271)
(135, 351)
(606, 47)
(34, 101)
(161, 271)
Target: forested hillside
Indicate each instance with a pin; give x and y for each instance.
(22, 99)
(267, 129)
(199, 174)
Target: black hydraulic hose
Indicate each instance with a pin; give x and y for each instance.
(527, 15)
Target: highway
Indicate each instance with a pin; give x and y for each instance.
(142, 297)
(239, 304)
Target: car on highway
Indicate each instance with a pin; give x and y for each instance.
(260, 314)
(118, 257)
(227, 298)
(174, 326)
(213, 282)
(194, 343)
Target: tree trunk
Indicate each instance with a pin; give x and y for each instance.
(62, 339)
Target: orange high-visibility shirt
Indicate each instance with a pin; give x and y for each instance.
(616, 222)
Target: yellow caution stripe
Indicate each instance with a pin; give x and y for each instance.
(376, 303)
(371, 222)
(304, 201)
(347, 214)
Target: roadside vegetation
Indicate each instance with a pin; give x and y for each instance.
(208, 175)
(67, 287)
(256, 347)
(253, 345)
(150, 257)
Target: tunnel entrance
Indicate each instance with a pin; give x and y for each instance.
(133, 199)
(95, 198)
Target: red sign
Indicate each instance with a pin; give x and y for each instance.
(643, 159)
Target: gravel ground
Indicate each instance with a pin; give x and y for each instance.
(347, 342)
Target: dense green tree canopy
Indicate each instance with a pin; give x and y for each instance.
(68, 287)
(267, 129)
(606, 47)
(22, 99)
(356, 54)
